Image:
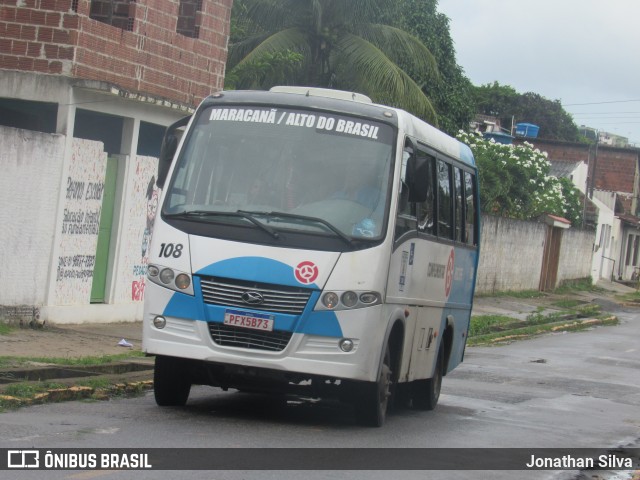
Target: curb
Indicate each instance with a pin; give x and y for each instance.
(77, 393)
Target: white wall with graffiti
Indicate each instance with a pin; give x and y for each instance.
(78, 227)
(140, 211)
(52, 192)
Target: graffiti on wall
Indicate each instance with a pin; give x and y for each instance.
(140, 270)
(141, 207)
(80, 223)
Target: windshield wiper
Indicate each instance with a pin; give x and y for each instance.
(339, 233)
(238, 214)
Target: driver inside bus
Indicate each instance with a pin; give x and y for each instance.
(362, 186)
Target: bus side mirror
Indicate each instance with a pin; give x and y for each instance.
(168, 149)
(417, 179)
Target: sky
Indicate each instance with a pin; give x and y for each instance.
(585, 53)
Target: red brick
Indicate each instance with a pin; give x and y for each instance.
(61, 36)
(56, 5)
(28, 32)
(40, 65)
(7, 14)
(26, 63)
(12, 31)
(19, 48)
(65, 53)
(45, 34)
(5, 45)
(34, 49)
(9, 62)
(38, 17)
(71, 21)
(51, 51)
(53, 19)
(55, 67)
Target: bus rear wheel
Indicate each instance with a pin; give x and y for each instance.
(374, 398)
(427, 392)
(171, 384)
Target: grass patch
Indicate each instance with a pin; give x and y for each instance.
(632, 297)
(568, 303)
(514, 294)
(6, 329)
(580, 285)
(483, 324)
(495, 329)
(14, 362)
(29, 390)
(534, 330)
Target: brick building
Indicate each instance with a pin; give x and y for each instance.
(611, 180)
(87, 88)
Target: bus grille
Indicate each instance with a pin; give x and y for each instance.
(228, 336)
(277, 298)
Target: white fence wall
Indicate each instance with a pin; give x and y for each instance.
(511, 254)
(31, 165)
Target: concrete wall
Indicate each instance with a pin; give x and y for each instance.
(511, 255)
(52, 198)
(575, 254)
(31, 164)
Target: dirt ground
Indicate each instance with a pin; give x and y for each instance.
(71, 341)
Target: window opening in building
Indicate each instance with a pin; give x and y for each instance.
(150, 139)
(118, 13)
(189, 18)
(28, 115)
(101, 127)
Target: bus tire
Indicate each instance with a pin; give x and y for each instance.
(427, 392)
(374, 397)
(171, 384)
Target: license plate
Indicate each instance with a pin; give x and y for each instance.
(254, 321)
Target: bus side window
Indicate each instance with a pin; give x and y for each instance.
(427, 209)
(459, 192)
(445, 223)
(406, 217)
(470, 207)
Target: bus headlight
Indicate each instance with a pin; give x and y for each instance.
(348, 300)
(170, 278)
(183, 281)
(330, 300)
(167, 276)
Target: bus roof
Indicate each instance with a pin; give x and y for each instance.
(350, 104)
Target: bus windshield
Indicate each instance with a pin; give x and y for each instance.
(285, 169)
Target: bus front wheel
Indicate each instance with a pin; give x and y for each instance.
(373, 401)
(427, 392)
(171, 384)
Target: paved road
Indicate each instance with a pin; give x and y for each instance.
(565, 390)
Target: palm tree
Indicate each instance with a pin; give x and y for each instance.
(332, 44)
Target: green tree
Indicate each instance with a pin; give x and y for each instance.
(452, 93)
(342, 43)
(515, 181)
(504, 102)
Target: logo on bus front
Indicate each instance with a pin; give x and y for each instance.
(306, 272)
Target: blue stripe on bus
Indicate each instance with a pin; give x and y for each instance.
(263, 270)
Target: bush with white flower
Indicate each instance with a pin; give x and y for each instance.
(515, 181)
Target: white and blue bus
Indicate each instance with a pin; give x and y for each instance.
(311, 242)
